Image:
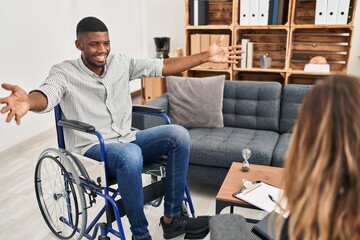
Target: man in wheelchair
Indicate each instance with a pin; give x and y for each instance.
(95, 89)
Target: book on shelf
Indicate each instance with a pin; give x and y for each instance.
(249, 55)
(243, 61)
(199, 12)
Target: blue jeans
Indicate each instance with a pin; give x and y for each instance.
(125, 162)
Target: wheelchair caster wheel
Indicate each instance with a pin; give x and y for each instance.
(103, 238)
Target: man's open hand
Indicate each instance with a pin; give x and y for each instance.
(218, 54)
(16, 104)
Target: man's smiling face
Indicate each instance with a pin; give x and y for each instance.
(94, 47)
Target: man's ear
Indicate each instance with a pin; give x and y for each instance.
(78, 44)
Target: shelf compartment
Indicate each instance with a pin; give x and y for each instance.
(304, 12)
(283, 17)
(260, 76)
(200, 35)
(331, 43)
(220, 12)
(305, 79)
(271, 41)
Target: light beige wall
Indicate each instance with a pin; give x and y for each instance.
(39, 33)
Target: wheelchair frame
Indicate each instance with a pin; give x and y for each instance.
(59, 164)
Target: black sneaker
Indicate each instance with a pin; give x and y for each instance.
(184, 224)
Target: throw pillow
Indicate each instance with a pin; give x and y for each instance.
(196, 102)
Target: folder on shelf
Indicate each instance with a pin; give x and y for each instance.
(274, 12)
(320, 12)
(244, 43)
(263, 14)
(331, 11)
(205, 42)
(254, 11)
(244, 12)
(249, 55)
(194, 43)
(343, 12)
(199, 12)
(282, 11)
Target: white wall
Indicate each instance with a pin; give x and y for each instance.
(354, 63)
(39, 33)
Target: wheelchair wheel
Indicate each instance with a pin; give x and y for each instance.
(60, 196)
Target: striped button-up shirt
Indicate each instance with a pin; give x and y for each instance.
(102, 101)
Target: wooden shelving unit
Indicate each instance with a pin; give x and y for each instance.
(291, 44)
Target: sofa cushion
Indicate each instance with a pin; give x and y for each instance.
(279, 155)
(220, 147)
(293, 96)
(252, 105)
(196, 102)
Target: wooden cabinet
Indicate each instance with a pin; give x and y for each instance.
(291, 44)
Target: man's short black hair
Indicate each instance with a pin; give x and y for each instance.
(90, 24)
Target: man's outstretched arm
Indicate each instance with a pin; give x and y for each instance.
(215, 54)
(18, 103)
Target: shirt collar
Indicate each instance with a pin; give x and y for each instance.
(88, 71)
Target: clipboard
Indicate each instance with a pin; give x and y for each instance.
(264, 196)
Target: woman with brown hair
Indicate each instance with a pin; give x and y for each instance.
(322, 169)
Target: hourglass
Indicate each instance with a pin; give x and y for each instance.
(246, 154)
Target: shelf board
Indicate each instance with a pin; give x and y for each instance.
(210, 69)
(321, 26)
(209, 27)
(266, 27)
(271, 70)
(300, 72)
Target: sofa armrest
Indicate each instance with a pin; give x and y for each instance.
(141, 121)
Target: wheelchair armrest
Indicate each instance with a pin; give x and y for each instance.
(77, 125)
(147, 109)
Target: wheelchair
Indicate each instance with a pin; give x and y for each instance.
(66, 188)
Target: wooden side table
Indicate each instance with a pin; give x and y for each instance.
(233, 183)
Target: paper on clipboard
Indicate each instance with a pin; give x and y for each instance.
(259, 197)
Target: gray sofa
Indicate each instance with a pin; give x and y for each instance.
(257, 115)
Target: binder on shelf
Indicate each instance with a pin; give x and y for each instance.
(281, 12)
(275, 12)
(199, 12)
(244, 43)
(205, 42)
(343, 12)
(254, 11)
(263, 14)
(194, 43)
(331, 11)
(244, 12)
(320, 12)
(249, 55)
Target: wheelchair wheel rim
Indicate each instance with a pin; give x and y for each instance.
(56, 200)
